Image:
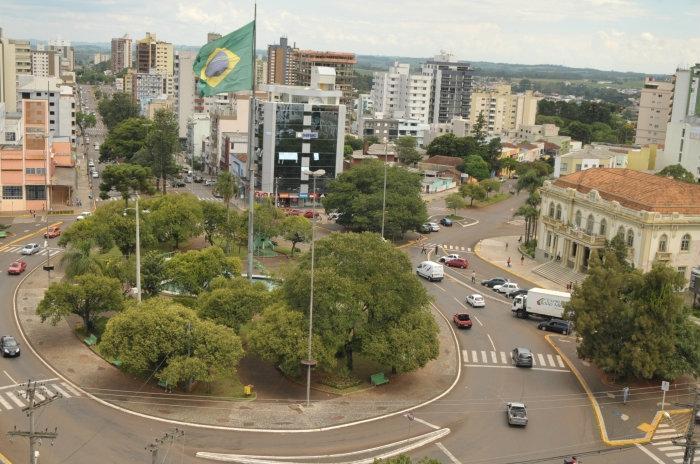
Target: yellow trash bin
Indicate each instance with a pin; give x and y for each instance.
(247, 390)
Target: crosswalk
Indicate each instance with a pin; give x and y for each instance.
(14, 397)
(203, 198)
(662, 444)
(42, 252)
(488, 358)
(447, 247)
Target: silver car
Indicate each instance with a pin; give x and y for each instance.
(30, 249)
(517, 414)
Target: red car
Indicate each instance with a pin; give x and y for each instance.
(17, 267)
(458, 262)
(53, 232)
(462, 321)
(293, 212)
(310, 214)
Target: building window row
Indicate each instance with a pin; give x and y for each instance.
(41, 171)
(12, 192)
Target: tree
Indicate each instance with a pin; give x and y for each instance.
(530, 181)
(455, 201)
(86, 296)
(85, 121)
(354, 142)
(125, 140)
(633, 324)
(160, 145)
(406, 148)
(357, 195)
(370, 140)
(443, 145)
(235, 304)
(175, 218)
(579, 131)
(476, 167)
(192, 271)
(678, 172)
(213, 219)
(478, 129)
(227, 187)
(78, 259)
(125, 178)
(508, 165)
(473, 191)
(169, 339)
(491, 185)
(296, 229)
(152, 272)
(117, 109)
(529, 214)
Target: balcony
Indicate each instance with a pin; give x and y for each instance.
(579, 235)
(663, 256)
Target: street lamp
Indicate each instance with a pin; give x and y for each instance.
(138, 249)
(310, 362)
(386, 144)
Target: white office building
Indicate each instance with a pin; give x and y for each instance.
(398, 94)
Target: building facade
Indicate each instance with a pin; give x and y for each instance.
(154, 55)
(658, 217)
(121, 53)
(260, 72)
(282, 63)
(655, 102)
(147, 87)
(8, 73)
(401, 95)
(23, 58)
(45, 63)
(65, 52)
(61, 111)
(502, 110)
(184, 89)
(451, 88)
(343, 63)
(198, 129)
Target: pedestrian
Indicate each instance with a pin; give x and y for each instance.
(34, 214)
(571, 286)
(436, 250)
(522, 259)
(473, 276)
(520, 239)
(423, 250)
(506, 245)
(508, 262)
(625, 395)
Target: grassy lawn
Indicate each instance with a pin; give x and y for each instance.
(455, 217)
(491, 200)
(229, 387)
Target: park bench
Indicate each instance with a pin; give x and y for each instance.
(378, 379)
(165, 385)
(91, 340)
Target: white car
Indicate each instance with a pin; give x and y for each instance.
(30, 249)
(476, 301)
(95, 174)
(434, 227)
(83, 215)
(91, 164)
(444, 259)
(506, 288)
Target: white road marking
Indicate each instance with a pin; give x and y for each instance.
(670, 448)
(61, 391)
(663, 426)
(503, 358)
(7, 405)
(475, 357)
(483, 357)
(426, 423)
(540, 358)
(675, 455)
(659, 443)
(477, 320)
(447, 453)
(649, 453)
(550, 358)
(492, 343)
(465, 355)
(560, 361)
(10, 377)
(546, 369)
(70, 389)
(38, 396)
(666, 434)
(493, 357)
(15, 399)
(441, 288)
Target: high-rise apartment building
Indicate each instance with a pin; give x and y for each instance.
(655, 104)
(121, 53)
(281, 63)
(184, 88)
(8, 74)
(45, 63)
(153, 54)
(451, 88)
(682, 144)
(147, 87)
(260, 72)
(502, 110)
(343, 63)
(397, 94)
(61, 120)
(66, 53)
(23, 56)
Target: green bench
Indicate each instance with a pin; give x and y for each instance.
(378, 379)
(91, 340)
(117, 362)
(164, 385)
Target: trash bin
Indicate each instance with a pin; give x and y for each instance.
(247, 390)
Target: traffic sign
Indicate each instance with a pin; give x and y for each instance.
(665, 385)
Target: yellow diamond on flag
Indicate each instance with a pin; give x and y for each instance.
(220, 63)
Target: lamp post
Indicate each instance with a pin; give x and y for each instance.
(310, 362)
(386, 144)
(138, 249)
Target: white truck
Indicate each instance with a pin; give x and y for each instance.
(540, 302)
(431, 270)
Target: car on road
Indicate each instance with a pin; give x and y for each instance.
(425, 228)
(490, 283)
(176, 183)
(434, 227)
(91, 164)
(54, 231)
(516, 413)
(95, 174)
(460, 263)
(198, 179)
(522, 357)
(447, 222)
(30, 248)
(310, 214)
(556, 325)
(188, 179)
(215, 193)
(209, 182)
(10, 347)
(83, 215)
(293, 212)
(476, 301)
(446, 258)
(520, 291)
(17, 267)
(462, 321)
(506, 288)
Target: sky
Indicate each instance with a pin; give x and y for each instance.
(651, 36)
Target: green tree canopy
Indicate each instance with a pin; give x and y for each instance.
(678, 172)
(407, 151)
(125, 178)
(161, 143)
(175, 218)
(192, 271)
(476, 167)
(213, 219)
(235, 304)
(354, 142)
(85, 121)
(473, 191)
(152, 272)
(124, 140)
(117, 109)
(455, 201)
(357, 195)
(86, 296)
(226, 186)
(296, 229)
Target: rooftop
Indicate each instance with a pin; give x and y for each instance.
(445, 160)
(590, 151)
(636, 190)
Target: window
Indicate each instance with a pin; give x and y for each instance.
(685, 243)
(578, 218)
(663, 243)
(551, 210)
(630, 238)
(558, 216)
(12, 192)
(589, 224)
(549, 239)
(10, 136)
(35, 192)
(682, 270)
(41, 171)
(603, 227)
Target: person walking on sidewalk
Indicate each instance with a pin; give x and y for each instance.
(423, 250)
(473, 276)
(508, 262)
(522, 259)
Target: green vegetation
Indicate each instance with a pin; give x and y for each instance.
(470, 149)
(677, 172)
(94, 74)
(633, 324)
(125, 178)
(473, 192)
(117, 109)
(296, 229)
(124, 140)
(85, 121)
(161, 143)
(194, 270)
(587, 121)
(407, 152)
(589, 90)
(455, 201)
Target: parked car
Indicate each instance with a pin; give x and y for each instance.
(334, 216)
(54, 231)
(506, 288)
(520, 291)
(310, 214)
(462, 321)
(188, 179)
(431, 271)
(517, 414)
(446, 258)
(447, 222)
(434, 227)
(215, 193)
(83, 215)
(198, 179)
(91, 164)
(30, 249)
(460, 263)
(293, 212)
(476, 301)
(95, 174)
(17, 267)
(522, 357)
(556, 325)
(490, 283)
(209, 182)
(425, 229)
(10, 348)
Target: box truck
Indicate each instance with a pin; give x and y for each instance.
(540, 302)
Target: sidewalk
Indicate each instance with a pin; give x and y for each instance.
(637, 418)
(278, 404)
(497, 250)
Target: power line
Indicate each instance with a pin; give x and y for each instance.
(168, 438)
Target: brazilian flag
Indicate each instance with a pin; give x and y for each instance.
(226, 64)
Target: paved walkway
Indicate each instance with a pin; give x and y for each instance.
(278, 400)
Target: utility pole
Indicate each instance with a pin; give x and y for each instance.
(168, 437)
(690, 444)
(33, 435)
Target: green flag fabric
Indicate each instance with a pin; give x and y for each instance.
(226, 64)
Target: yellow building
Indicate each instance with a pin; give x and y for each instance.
(642, 159)
(502, 110)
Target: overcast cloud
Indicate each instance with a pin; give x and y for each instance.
(626, 35)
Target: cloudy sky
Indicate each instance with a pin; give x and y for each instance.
(653, 36)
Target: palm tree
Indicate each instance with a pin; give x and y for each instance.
(226, 186)
(530, 214)
(78, 260)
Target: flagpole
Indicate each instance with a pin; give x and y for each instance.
(252, 110)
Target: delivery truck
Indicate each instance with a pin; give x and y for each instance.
(540, 302)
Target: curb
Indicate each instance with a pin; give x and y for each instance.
(598, 414)
(477, 247)
(4, 460)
